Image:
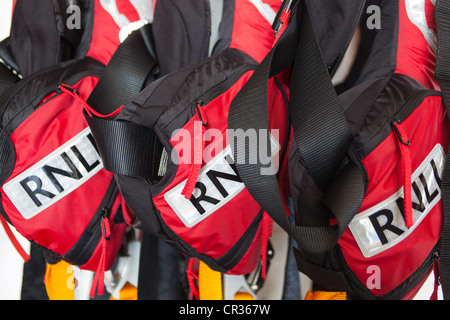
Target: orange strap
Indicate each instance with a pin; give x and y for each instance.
(325, 295)
(60, 281)
(211, 287)
(210, 283)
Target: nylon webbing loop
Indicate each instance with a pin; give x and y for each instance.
(126, 73)
(442, 74)
(126, 148)
(320, 128)
(4, 149)
(253, 96)
(209, 283)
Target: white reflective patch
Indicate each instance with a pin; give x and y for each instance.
(265, 10)
(217, 184)
(55, 176)
(382, 226)
(111, 7)
(416, 13)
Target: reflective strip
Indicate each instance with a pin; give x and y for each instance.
(383, 226)
(55, 176)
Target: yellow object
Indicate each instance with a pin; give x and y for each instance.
(128, 292)
(325, 295)
(243, 296)
(60, 281)
(209, 283)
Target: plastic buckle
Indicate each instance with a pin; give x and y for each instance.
(126, 270)
(235, 284)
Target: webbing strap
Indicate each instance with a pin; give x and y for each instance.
(126, 148)
(59, 281)
(209, 283)
(319, 130)
(4, 149)
(325, 295)
(7, 76)
(125, 74)
(442, 74)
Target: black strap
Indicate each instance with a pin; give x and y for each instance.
(8, 75)
(126, 72)
(442, 74)
(308, 122)
(7, 57)
(7, 78)
(126, 148)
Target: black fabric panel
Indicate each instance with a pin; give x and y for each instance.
(33, 287)
(181, 31)
(39, 34)
(170, 95)
(34, 43)
(334, 24)
(442, 13)
(87, 25)
(370, 115)
(226, 27)
(22, 98)
(382, 59)
(160, 275)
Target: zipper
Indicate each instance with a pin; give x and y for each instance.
(198, 109)
(199, 146)
(223, 86)
(83, 249)
(49, 89)
(411, 104)
(404, 145)
(72, 80)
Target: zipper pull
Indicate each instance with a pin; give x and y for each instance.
(437, 275)
(404, 144)
(89, 110)
(106, 227)
(201, 113)
(199, 146)
(99, 277)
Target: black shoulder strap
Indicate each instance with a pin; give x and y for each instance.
(126, 73)
(320, 129)
(8, 73)
(126, 148)
(442, 74)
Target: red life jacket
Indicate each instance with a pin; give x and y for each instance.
(367, 158)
